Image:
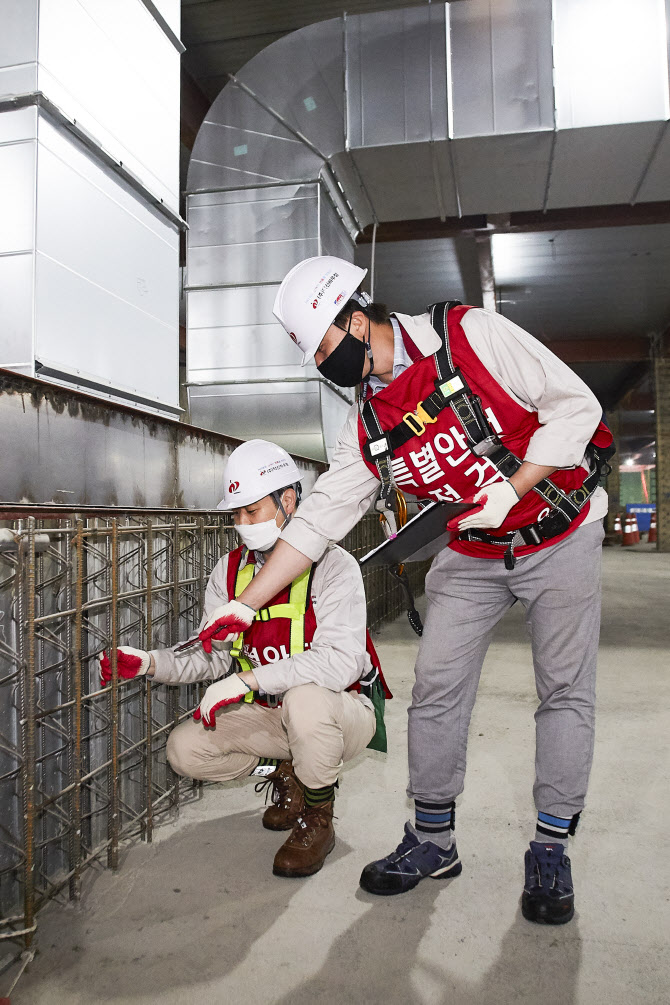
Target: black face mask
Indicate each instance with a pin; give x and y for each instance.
(344, 365)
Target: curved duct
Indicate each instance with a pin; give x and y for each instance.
(439, 110)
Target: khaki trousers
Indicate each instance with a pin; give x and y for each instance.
(319, 729)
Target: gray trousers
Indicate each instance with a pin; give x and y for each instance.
(560, 588)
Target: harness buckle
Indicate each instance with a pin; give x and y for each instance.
(417, 421)
(486, 447)
(555, 523)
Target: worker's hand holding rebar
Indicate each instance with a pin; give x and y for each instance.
(226, 623)
(223, 692)
(493, 504)
(129, 663)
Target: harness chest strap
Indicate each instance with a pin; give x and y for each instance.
(294, 610)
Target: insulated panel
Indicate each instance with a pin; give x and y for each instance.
(334, 238)
(396, 74)
(237, 352)
(113, 69)
(310, 66)
(501, 67)
(18, 46)
(600, 166)
(290, 414)
(411, 181)
(240, 143)
(502, 174)
(16, 297)
(107, 308)
(611, 62)
(252, 235)
(17, 182)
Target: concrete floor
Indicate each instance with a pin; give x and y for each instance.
(198, 916)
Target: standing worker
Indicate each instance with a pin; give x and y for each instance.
(461, 404)
(304, 701)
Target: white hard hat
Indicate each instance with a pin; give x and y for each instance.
(254, 470)
(312, 295)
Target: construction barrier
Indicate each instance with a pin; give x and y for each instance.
(628, 534)
(652, 529)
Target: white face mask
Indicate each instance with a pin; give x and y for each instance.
(259, 536)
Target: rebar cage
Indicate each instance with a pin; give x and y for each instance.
(83, 768)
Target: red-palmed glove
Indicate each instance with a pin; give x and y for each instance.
(129, 663)
(226, 623)
(494, 503)
(223, 692)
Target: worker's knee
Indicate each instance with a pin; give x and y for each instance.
(180, 752)
(308, 704)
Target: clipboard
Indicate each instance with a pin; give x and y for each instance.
(421, 537)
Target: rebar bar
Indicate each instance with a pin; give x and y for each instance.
(83, 767)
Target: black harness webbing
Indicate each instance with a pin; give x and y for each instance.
(451, 390)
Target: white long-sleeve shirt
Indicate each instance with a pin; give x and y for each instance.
(337, 657)
(537, 380)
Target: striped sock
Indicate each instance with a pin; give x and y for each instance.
(555, 829)
(435, 820)
(266, 765)
(315, 797)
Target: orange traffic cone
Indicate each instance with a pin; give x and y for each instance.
(635, 529)
(617, 524)
(628, 537)
(652, 529)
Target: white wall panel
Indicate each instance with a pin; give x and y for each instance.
(83, 328)
(131, 261)
(16, 298)
(611, 62)
(113, 69)
(17, 183)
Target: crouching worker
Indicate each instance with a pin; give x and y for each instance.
(299, 692)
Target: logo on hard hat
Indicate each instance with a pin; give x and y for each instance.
(315, 304)
(234, 487)
(337, 299)
(293, 336)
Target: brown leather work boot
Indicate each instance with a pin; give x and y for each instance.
(311, 840)
(287, 798)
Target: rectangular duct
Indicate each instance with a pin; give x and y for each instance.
(88, 258)
(244, 374)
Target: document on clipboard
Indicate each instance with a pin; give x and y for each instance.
(421, 537)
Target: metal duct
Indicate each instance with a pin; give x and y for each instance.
(89, 142)
(432, 111)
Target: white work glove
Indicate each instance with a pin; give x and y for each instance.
(494, 503)
(222, 692)
(226, 623)
(129, 663)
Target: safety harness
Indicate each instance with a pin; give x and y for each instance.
(372, 685)
(452, 391)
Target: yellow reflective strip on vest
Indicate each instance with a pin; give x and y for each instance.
(294, 610)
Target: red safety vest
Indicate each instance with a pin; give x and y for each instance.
(270, 637)
(437, 462)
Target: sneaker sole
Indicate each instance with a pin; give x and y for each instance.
(449, 872)
(532, 912)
